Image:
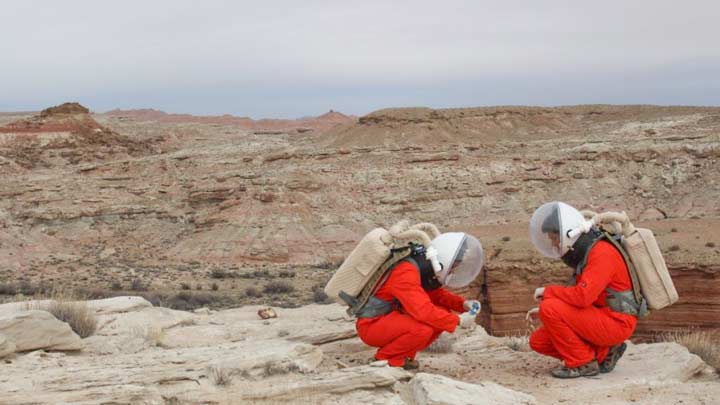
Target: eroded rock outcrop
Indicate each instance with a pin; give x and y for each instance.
(32, 330)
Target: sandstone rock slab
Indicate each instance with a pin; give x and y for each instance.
(33, 330)
(130, 322)
(338, 382)
(119, 304)
(6, 346)
(432, 389)
(270, 357)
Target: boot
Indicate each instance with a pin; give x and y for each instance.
(586, 370)
(411, 364)
(612, 358)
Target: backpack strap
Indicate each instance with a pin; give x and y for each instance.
(624, 298)
(356, 304)
(375, 306)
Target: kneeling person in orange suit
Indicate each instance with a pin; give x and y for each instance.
(411, 308)
(584, 324)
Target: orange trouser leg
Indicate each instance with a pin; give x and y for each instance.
(577, 335)
(541, 342)
(398, 336)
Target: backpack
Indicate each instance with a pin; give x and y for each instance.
(648, 272)
(368, 265)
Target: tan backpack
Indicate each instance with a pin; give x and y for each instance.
(649, 274)
(362, 272)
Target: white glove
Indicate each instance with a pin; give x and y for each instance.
(467, 321)
(472, 306)
(539, 294)
(530, 313)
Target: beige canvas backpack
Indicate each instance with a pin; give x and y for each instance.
(648, 271)
(357, 278)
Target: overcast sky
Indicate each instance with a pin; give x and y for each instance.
(299, 58)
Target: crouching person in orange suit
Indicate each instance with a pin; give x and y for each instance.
(410, 309)
(584, 325)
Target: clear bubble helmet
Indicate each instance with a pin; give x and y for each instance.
(549, 227)
(461, 257)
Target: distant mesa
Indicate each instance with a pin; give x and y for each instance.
(319, 124)
(71, 132)
(64, 109)
(66, 117)
(399, 127)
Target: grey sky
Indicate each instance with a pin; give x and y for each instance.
(297, 58)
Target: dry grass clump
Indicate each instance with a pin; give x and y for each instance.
(152, 335)
(705, 344)
(278, 287)
(77, 314)
(271, 368)
(443, 344)
(220, 376)
(519, 343)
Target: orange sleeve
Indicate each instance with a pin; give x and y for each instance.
(600, 268)
(404, 284)
(444, 298)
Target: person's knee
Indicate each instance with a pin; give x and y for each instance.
(422, 331)
(535, 342)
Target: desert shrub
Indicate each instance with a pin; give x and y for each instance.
(198, 286)
(185, 300)
(252, 292)
(673, 230)
(26, 288)
(158, 299)
(319, 296)
(286, 274)
(278, 287)
(674, 248)
(710, 244)
(138, 285)
(261, 274)
(116, 286)
(185, 286)
(8, 289)
(506, 239)
(705, 344)
(215, 286)
(93, 293)
(77, 314)
(220, 274)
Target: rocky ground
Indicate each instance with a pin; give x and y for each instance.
(192, 211)
(220, 212)
(142, 354)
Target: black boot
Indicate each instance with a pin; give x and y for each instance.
(411, 364)
(612, 358)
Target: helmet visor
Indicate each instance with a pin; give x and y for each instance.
(545, 228)
(467, 263)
